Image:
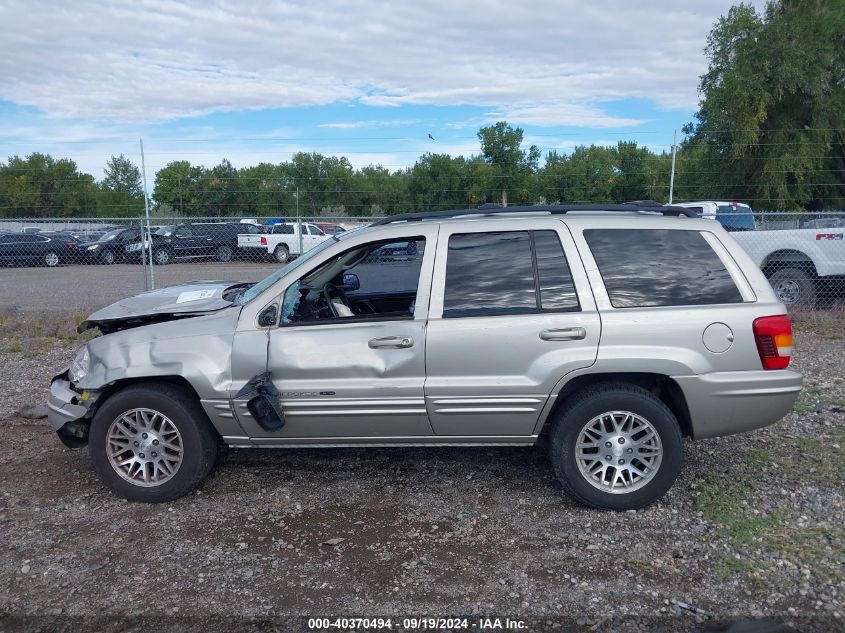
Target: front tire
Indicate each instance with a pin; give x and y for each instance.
(51, 259)
(162, 257)
(794, 286)
(616, 446)
(152, 442)
(108, 258)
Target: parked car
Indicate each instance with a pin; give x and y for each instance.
(196, 240)
(30, 229)
(612, 359)
(331, 229)
(75, 254)
(734, 216)
(281, 241)
(35, 249)
(803, 265)
(111, 248)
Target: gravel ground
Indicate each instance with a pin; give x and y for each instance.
(752, 528)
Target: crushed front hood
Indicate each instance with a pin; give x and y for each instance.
(164, 304)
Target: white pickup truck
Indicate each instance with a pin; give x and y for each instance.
(281, 241)
(803, 265)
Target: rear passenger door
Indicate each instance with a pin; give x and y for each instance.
(511, 314)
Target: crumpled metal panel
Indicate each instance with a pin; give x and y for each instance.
(199, 349)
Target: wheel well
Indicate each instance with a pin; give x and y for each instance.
(117, 385)
(658, 384)
(787, 258)
(75, 434)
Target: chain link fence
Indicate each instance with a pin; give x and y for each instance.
(802, 254)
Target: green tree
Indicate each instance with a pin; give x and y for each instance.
(772, 117)
(177, 188)
(512, 166)
(439, 181)
(121, 191)
(40, 186)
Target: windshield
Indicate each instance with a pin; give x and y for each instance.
(166, 231)
(111, 235)
(268, 281)
(736, 219)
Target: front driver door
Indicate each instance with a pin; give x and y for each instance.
(360, 377)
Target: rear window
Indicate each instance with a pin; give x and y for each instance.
(660, 267)
(735, 218)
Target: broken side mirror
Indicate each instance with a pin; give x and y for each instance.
(269, 316)
(351, 282)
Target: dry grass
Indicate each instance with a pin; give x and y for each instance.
(32, 333)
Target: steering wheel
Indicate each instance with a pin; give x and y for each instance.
(330, 290)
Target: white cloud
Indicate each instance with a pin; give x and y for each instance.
(545, 62)
(354, 125)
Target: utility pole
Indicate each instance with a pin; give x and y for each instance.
(672, 177)
(146, 238)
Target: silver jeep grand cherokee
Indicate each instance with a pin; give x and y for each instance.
(610, 331)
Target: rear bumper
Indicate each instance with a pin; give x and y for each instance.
(724, 403)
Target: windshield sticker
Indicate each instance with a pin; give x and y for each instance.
(195, 295)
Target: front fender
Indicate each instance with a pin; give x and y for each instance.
(198, 349)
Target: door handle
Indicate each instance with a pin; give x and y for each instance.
(398, 342)
(564, 334)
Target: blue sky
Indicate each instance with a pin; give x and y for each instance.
(257, 82)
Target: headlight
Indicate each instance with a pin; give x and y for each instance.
(93, 247)
(79, 366)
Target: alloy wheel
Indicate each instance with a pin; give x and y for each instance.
(618, 452)
(144, 447)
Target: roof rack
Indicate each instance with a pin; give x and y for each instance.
(646, 206)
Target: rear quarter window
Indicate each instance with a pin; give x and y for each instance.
(660, 267)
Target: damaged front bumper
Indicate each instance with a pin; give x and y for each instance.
(66, 411)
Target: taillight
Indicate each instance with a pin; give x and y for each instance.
(263, 241)
(773, 335)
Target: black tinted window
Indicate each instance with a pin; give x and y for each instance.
(489, 273)
(735, 218)
(647, 267)
(284, 229)
(557, 292)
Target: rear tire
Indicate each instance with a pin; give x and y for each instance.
(635, 475)
(282, 254)
(794, 286)
(145, 418)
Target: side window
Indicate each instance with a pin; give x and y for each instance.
(660, 267)
(511, 272)
(358, 284)
(489, 273)
(183, 231)
(284, 229)
(557, 290)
